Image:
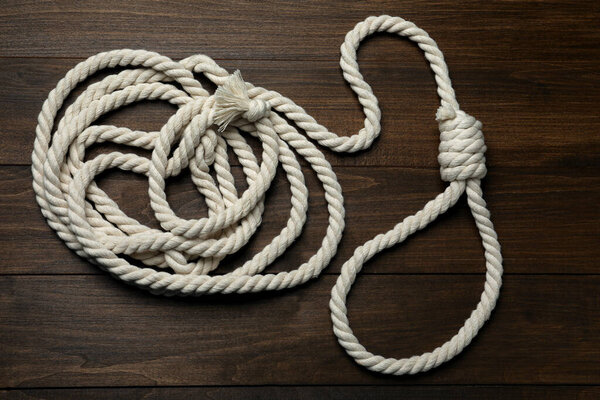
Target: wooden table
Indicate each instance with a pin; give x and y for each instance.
(528, 70)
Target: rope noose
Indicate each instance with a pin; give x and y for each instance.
(179, 258)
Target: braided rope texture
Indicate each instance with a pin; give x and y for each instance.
(179, 258)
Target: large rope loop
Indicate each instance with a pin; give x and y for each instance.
(179, 258)
(93, 225)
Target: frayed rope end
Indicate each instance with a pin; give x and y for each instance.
(231, 100)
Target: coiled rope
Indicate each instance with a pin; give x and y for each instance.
(179, 257)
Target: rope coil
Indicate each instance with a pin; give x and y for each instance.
(180, 257)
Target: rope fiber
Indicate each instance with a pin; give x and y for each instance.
(179, 258)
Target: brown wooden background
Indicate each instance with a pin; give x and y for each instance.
(528, 70)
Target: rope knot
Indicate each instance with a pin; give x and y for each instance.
(257, 109)
(232, 101)
(462, 148)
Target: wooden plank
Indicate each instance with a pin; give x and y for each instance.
(512, 98)
(548, 223)
(93, 331)
(312, 392)
(284, 30)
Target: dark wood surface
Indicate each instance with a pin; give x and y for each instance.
(528, 70)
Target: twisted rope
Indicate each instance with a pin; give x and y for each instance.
(179, 258)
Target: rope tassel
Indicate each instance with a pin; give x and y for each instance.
(232, 101)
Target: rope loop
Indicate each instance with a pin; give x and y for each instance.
(202, 135)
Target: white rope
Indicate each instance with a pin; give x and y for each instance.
(180, 257)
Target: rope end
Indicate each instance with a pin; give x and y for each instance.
(445, 113)
(232, 101)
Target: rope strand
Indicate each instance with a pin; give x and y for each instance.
(179, 257)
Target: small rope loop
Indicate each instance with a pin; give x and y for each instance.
(462, 147)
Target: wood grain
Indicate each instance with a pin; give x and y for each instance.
(95, 331)
(320, 392)
(275, 30)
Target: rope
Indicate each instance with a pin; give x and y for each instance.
(179, 258)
